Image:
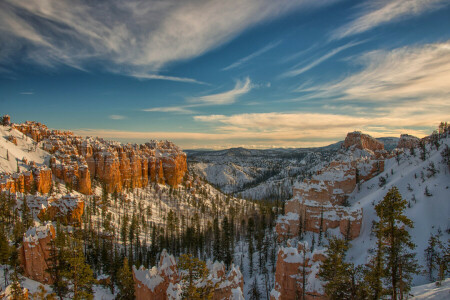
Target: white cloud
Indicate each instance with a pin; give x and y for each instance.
(182, 109)
(163, 77)
(116, 117)
(27, 93)
(224, 98)
(405, 74)
(228, 97)
(251, 56)
(318, 61)
(129, 36)
(378, 12)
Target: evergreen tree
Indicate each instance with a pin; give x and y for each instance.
(336, 272)
(42, 294)
(125, 282)
(254, 291)
(374, 272)
(391, 229)
(194, 278)
(217, 245)
(227, 242)
(16, 289)
(77, 273)
(57, 264)
(27, 217)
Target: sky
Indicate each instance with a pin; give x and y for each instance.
(219, 74)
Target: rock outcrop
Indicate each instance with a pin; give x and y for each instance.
(68, 208)
(163, 282)
(320, 203)
(76, 160)
(37, 179)
(408, 141)
(6, 120)
(292, 263)
(35, 252)
(154, 283)
(360, 140)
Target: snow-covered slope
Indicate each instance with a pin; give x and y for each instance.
(263, 174)
(412, 177)
(25, 148)
(257, 174)
(431, 291)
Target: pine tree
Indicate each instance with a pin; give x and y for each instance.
(5, 249)
(78, 274)
(336, 272)
(374, 272)
(42, 294)
(217, 250)
(194, 279)
(125, 282)
(16, 288)
(27, 217)
(391, 229)
(254, 290)
(431, 256)
(226, 242)
(56, 263)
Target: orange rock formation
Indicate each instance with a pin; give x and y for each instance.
(35, 252)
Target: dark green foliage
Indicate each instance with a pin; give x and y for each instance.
(395, 243)
(77, 272)
(340, 276)
(125, 282)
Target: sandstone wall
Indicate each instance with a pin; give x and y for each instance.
(35, 252)
(291, 262)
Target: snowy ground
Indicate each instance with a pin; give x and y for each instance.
(25, 149)
(431, 291)
(100, 292)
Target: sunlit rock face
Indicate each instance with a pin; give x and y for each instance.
(163, 281)
(362, 141)
(35, 252)
(297, 269)
(119, 166)
(408, 141)
(320, 203)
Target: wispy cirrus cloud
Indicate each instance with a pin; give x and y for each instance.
(412, 73)
(375, 13)
(128, 37)
(294, 129)
(224, 98)
(251, 56)
(228, 97)
(116, 117)
(298, 71)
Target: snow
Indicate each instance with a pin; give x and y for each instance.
(431, 291)
(100, 292)
(34, 234)
(429, 214)
(150, 278)
(24, 144)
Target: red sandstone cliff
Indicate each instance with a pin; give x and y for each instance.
(408, 141)
(292, 263)
(163, 282)
(362, 141)
(321, 200)
(35, 252)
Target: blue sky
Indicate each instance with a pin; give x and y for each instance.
(218, 74)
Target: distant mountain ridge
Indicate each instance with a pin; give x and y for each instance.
(263, 173)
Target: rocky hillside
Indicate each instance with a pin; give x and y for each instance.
(339, 201)
(134, 199)
(263, 174)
